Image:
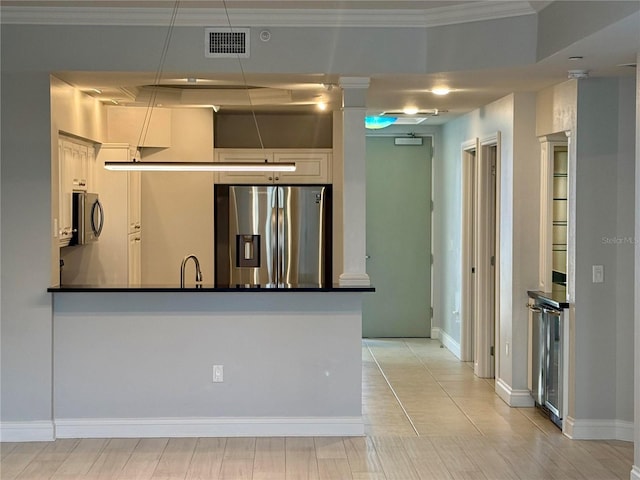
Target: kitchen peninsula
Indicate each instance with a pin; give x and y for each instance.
(139, 362)
(135, 355)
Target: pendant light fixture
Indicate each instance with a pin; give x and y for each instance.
(201, 166)
(151, 166)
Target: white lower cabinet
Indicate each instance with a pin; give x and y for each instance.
(134, 256)
(313, 166)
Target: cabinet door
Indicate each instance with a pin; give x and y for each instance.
(65, 190)
(91, 170)
(311, 167)
(133, 194)
(80, 166)
(134, 259)
(245, 177)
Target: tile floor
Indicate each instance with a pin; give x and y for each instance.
(427, 417)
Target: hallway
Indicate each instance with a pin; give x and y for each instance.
(432, 420)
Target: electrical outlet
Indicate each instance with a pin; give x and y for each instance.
(218, 373)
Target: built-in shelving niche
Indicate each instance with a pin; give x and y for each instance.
(554, 212)
(559, 220)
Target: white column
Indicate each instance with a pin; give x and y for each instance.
(635, 471)
(354, 91)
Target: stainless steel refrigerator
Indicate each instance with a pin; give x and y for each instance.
(272, 236)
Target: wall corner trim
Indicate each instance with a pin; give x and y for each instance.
(31, 431)
(513, 398)
(588, 429)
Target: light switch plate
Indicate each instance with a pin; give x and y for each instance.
(597, 272)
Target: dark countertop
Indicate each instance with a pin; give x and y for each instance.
(556, 298)
(208, 288)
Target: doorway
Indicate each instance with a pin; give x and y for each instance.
(398, 239)
(480, 204)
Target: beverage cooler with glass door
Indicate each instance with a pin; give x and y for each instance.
(546, 377)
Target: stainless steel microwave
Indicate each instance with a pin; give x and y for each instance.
(88, 218)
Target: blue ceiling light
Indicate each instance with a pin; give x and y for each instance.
(376, 123)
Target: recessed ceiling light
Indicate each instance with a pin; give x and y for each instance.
(440, 91)
(96, 90)
(322, 106)
(410, 110)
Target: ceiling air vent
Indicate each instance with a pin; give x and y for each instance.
(226, 43)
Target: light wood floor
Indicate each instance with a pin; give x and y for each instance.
(427, 417)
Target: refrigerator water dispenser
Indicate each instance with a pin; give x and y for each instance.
(248, 251)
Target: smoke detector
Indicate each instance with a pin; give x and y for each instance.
(577, 74)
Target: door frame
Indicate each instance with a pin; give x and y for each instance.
(480, 293)
(488, 256)
(468, 154)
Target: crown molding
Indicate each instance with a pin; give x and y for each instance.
(408, 18)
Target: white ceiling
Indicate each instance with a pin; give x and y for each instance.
(603, 52)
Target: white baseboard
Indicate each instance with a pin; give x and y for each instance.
(208, 427)
(577, 429)
(635, 473)
(450, 344)
(513, 398)
(435, 333)
(39, 431)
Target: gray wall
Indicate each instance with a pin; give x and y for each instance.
(604, 219)
(562, 23)
(151, 355)
(26, 380)
(31, 52)
(513, 117)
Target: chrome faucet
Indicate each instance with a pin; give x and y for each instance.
(198, 271)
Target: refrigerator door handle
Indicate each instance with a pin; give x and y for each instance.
(281, 247)
(273, 257)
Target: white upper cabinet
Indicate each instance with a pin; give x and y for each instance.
(65, 191)
(76, 172)
(313, 166)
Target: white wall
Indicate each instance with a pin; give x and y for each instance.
(177, 207)
(513, 118)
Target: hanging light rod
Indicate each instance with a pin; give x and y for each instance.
(201, 166)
